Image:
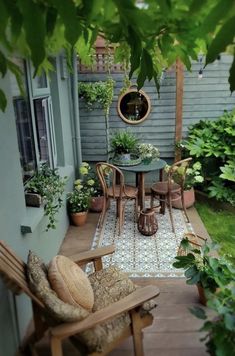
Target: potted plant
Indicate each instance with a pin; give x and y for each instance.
(193, 176)
(79, 199)
(203, 269)
(148, 152)
(97, 199)
(46, 187)
(123, 145)
(220, 329)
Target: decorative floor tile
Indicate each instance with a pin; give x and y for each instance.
(139, 255)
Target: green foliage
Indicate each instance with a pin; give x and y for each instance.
(193, 175)
(201, 267)
(97, 93)
(48, 183)
(220, 331)
(155, 33)
(79, 199)
(213, 144)
(123, 142)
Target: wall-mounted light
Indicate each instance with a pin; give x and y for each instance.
(200, 73)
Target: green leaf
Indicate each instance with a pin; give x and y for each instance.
(34, 25)
(218, 12)
(15, 16)
(231, 78)
(136, 50)
(3, 101)
(68, 14)
(194, 279)
(198, 312)
(3, 64)
(223, 38)
(4, 15)
(51, 18)
(146, 68)
(18, 74)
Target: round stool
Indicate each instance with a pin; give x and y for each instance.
(147, 222)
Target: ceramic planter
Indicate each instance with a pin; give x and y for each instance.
(33, 199)
(189, 199)
(79, 219)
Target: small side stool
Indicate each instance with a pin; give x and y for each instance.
(147, 222)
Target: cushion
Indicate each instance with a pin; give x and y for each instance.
(39, 285)
(109, 285)
(70, 283)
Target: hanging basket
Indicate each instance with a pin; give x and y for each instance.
(147, 222)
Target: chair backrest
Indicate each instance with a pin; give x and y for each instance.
(180, 167)
(13, 272)
(111, 177)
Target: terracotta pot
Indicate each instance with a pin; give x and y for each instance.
(79, 219)
(201, 293)
(189, 199)
(97, 204)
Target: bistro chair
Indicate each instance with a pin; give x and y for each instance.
(168, 191)
(112, 182)
(120, 308)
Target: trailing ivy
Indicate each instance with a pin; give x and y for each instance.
(97, 93)
(154, 33)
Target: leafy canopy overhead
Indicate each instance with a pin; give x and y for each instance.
(149, 34)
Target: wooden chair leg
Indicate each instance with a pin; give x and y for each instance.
(137, 333)
(171, 216)
(120, 219)
(56, 347)
(103, 212)
(162, 204)
(183, 205)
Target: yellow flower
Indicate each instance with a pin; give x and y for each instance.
(77, 182)
(83, 170)
(90, 182)
(78, 187)
(85, 164)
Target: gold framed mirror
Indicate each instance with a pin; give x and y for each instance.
(134, 106)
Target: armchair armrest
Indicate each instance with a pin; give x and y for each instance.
(95, 255)
(128, 303)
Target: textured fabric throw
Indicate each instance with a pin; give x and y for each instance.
(139, 255)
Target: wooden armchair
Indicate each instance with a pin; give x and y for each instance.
(13, 272)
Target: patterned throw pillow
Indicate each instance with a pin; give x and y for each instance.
(55, 307)
(70, 282)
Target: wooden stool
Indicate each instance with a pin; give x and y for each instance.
(147, 222)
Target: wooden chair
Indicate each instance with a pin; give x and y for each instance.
(13, 272)
(112, 182)
(168, 191)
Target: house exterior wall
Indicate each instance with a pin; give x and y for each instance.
(12, 207)
(206, 98)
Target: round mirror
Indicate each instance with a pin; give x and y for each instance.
(133, 106)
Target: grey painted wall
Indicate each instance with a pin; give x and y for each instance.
(13, 209)
(203, 99)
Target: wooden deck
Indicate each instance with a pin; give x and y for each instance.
(175, 330)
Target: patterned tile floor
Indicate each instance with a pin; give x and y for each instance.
(139, 255)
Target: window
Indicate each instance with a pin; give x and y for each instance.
(35, 126)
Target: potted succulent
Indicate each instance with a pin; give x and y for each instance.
(148, 152)
(123, 145)
(78, 201)
(203, 269)
(46, 188)
(193, 176)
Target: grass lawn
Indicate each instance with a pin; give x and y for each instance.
(220, 225)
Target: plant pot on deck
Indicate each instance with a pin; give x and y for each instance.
(97, 204)
(79, 219)
(189, 199)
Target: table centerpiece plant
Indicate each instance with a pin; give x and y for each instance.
(148, 152)
(124, 146)
(78, 201)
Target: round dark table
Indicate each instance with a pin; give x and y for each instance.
(140, 170)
